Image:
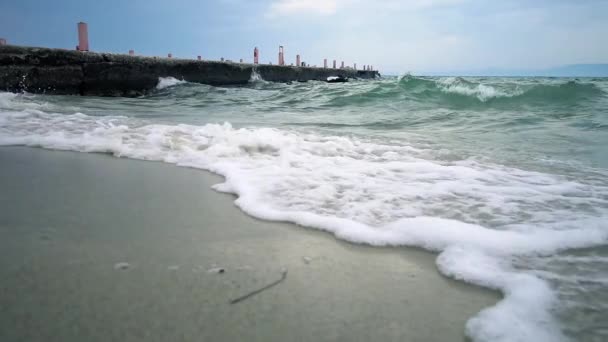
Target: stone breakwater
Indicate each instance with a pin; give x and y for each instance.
(56, 71)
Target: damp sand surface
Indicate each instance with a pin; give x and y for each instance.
(97, 248)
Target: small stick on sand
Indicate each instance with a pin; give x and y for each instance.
(253, 293)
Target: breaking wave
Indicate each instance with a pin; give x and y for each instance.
(166, 82)
(460, 91)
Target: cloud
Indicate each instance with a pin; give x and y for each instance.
(321, 7)
(331, 7)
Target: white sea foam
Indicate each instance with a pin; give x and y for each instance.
(166, 82)
(476, 215)
(256, 77)
(483, 92)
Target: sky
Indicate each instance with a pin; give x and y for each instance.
(395, 36)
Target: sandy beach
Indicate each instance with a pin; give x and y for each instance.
(97, 248)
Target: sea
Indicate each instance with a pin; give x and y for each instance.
(505, 179)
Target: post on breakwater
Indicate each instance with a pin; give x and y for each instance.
(355, 66)
(2, 41)
(342, 65)
(325, 63)
(83, 37)
(169, 55)
(281, 55)
(131, 52)
(298, 60)
(256, 56)
(199, 58)
(334, 63)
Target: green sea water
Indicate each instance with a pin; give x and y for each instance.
(505, 178)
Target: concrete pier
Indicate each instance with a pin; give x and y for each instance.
(56, 71)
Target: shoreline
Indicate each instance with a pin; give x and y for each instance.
(97, 262)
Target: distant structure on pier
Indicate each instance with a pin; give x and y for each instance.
(2, 41)
(83, 45)
(281, 55)
(83, 37)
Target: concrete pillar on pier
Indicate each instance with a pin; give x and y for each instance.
(355, 66)
(342, 65)
(131, 52)
(334, 63)
(199, 58)
(256, 56)
(325, 63)
(2, 41)
(83, 37)
(281, 55)
(298, 60)
(169, 55)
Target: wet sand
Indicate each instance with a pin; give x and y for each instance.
(97, 248)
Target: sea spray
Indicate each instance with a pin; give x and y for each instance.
(255, 76)
(166, 82)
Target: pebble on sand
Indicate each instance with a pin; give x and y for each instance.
(122, 266)
(216, 270)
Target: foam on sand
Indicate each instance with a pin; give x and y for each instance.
(371, 192)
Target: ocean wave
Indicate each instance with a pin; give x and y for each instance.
(166, 82)
(461, 91)
(477, 216)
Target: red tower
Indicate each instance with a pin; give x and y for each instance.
(83, 37)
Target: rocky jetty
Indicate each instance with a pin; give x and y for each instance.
(56, 71)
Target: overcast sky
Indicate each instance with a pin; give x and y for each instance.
(394, 35)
